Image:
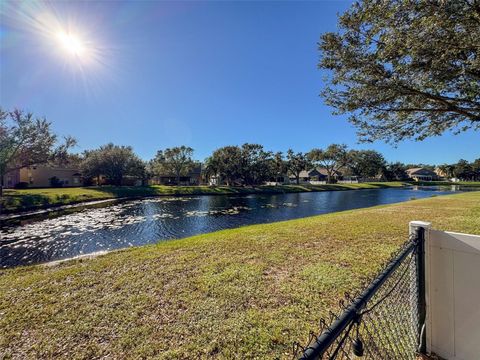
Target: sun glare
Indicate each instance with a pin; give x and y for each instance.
(71, 44)
(69, 41)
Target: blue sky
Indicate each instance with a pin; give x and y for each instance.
(203, 74)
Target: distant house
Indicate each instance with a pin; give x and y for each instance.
(281, 179)
(43, 176)
(446, 175)
(419, 174)
(314, 175)
(193, 177)
(218, 180)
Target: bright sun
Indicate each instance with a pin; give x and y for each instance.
(71, 44)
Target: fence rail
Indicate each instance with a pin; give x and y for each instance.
(385, 321)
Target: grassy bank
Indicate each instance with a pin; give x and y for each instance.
(447, 183)
(241, 293)
(30, 199)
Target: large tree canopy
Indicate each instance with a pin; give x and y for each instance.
(255, 164)
(278, 167)
(177, 161)
(114, 162)
(24, 140)
(226, 162)
(249, 164)
(333, 158)
(366, 163)
(405, 69)
(296, 163)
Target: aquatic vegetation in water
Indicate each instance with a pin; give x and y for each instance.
(230, 211)
(161, 200)
(139, 222)
(276, 206)
(112, 217)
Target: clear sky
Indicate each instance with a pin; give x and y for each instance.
(205, 74)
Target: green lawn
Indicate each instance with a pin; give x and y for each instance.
(242, 293)
(447, 183)
(29, 199)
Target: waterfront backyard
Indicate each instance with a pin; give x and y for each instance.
(81, 231)
(239, 179)
(245, 293)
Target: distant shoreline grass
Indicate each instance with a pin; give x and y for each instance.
(15, 201)
(446, 183)
(248, 292)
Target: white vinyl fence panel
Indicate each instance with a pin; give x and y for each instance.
(453, 295)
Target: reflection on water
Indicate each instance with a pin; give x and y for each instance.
(151, 220)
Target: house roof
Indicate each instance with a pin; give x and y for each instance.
(309, 173)
(420, 171)
(319, 171)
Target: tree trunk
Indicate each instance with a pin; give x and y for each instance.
(298, 179)
(329, 177)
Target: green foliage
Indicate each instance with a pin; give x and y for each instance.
(249, 164)
(278, 166)
(296, 163)
(463, 170)
(24, 140)
(255, 165)
(173, 161)
(405, 69)
(447, 170)
(226, 163)
(366, 163)
(396, 171)
(112, 161)
(61, 155)
(333, 158)
(476, 167)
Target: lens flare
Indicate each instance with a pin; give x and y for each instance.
(65, 39)
(71, 44)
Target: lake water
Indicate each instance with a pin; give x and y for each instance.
(147, 221)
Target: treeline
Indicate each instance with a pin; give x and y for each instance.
(251, 164)
(114, 163)
(26, 141)
(462, 170)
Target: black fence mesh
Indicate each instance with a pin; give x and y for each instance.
(385, 325)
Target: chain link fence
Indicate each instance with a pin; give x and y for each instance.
(385, 321)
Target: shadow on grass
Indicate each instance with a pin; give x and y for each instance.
(25, 202)
(20, 202)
